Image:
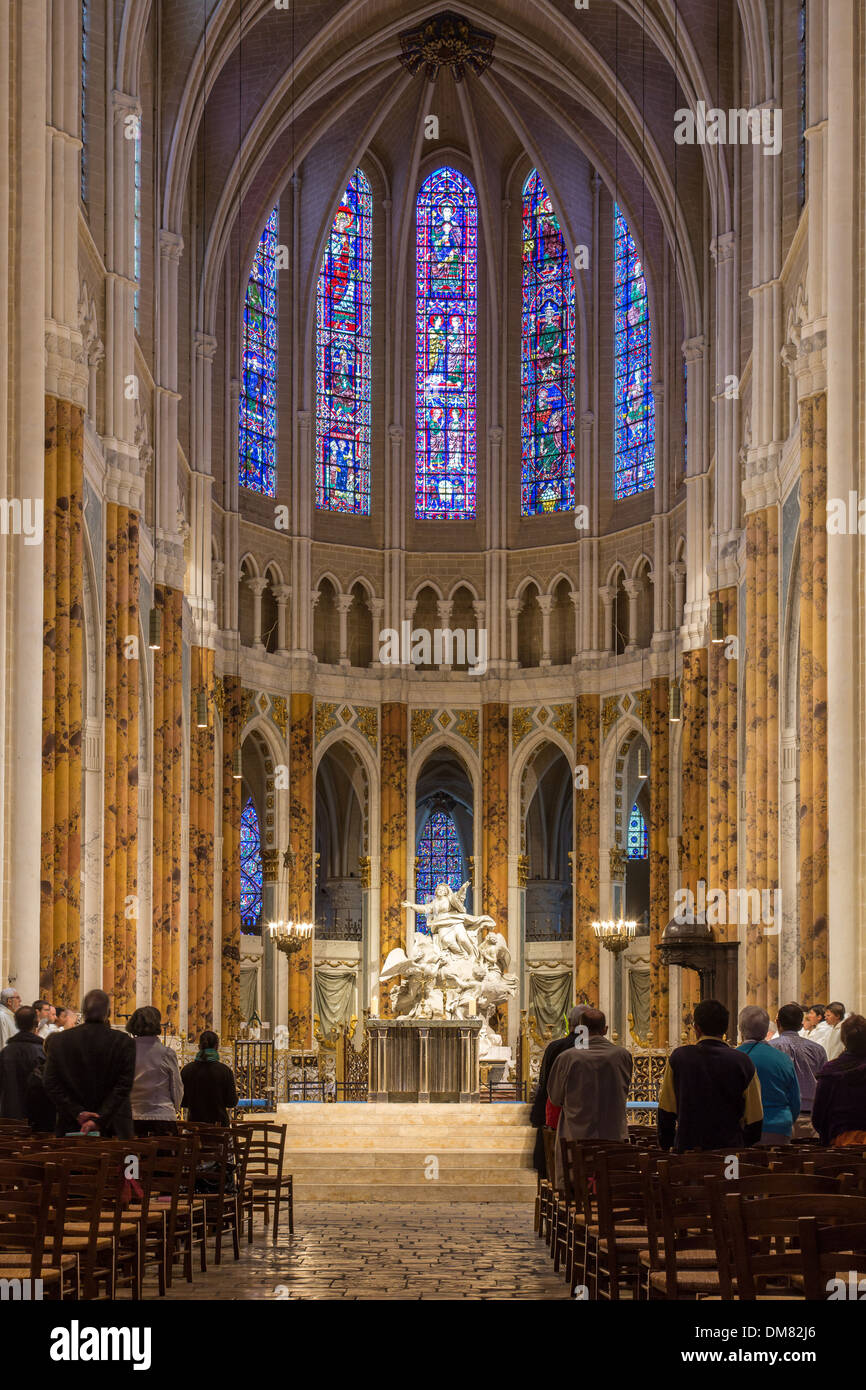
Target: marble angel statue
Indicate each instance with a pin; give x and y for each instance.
(448, 922)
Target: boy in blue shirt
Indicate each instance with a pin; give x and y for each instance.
(780, 1090)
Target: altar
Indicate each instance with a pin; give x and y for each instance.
(424, 1059)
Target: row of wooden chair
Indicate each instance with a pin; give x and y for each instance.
(88, 1216)
(630, 1220)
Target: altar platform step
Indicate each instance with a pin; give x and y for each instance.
(384, 1153)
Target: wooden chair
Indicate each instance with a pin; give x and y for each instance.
(832, 1254)
(24, 1230)
(622, 1228)
(220, 1201)
(576, 1217)
(752, 1185)
(266, 1181)
(765, 1237)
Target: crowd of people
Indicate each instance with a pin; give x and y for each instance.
(802, 1077)
(69, 1076)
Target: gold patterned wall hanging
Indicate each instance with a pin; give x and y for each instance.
(367, 723)
(249, 699)
(279, 713)
(563, 720)
(521, 724)
(326, 719)
(467, 726)
(422, 725)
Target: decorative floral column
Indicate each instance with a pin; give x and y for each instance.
(814, 880)
(62, 718)
(229, 692)
(393, 833)
(659, 834)
(722, 756)
(301, 797)
(762, 735)
(167, 805)
(693, 837)
(200, 961)
(587, 806)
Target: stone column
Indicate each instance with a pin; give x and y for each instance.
(444, 608)
(344, 603)
(722, 765)
(574, 595)
(167, 804)
(494, 822)
(693, 839)
(282, 593)
(257, 587)
(376, 606)
(514, 606)
(545, 604)
(634, 589)
(607, 594)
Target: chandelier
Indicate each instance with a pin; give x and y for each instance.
(289, 937)
(615, 936)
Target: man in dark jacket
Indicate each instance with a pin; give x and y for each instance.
(89, 1074)
(539, 1102)
(17, 1060)
(839, 1112)
(208, 1084)
(710, 1096)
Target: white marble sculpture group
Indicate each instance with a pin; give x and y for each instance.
(458, 969)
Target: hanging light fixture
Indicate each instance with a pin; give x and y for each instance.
(154, 629)
(641, 763)
(717, 621)
(615, 936)
(201, 710)
(674, 703)
(237, 765)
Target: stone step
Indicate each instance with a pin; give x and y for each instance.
(515, 1147)
(375, 1114)
(429, 1193)
(383, 1167)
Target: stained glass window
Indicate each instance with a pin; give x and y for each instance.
(638, 838)
(257, 445)
(251, 869)
(546, 358)
(446, 305)
(634, 408)
(440, 859)
(343, 356)
(136, 250)
(85, 58)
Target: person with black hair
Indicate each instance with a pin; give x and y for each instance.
(209, 1090)
(157, 1087)
(17, 1060)
(89, 1074)
(539, 1101)
(808, 1058)
(710, 1096)
(839, 1112)
(834, 1014)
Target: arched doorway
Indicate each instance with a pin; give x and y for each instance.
(547, 823)
(444, 827)
(341, 902)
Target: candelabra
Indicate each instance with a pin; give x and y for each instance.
(289, 937)
(615, 936)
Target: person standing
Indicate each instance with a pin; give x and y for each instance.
(539, 1101)
(157, 1087)
(710, 1096)
(10, 1000)
(780, 1090)
(834, 1015)
(814, 1026)
(209, 1090)
(46, 1018)
(89, 1074)
(588, 1087)
(19, 1057)
(808, 1058)
(839, 1112)
(67, 1018)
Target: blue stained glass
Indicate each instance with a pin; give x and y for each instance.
(546, 359)
(251, 869)
(440, 859)
(634, 407)
(343, 335)
(445, 347)
(257, 423)
(638, 838)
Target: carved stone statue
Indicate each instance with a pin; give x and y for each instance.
(457, 969)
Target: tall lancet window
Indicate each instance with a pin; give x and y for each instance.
(343, 336)
(546, 358)
(638, 835)
(251, 869)
(445, 348)
(634, 418)
(440, 859)
(257, 425)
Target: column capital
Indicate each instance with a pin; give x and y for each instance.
(513, 606)
(124, 104)
(633, 587)
(256, 585)
(545, 604)
(395, 433)
(281, 592)
(722, 247)
(344, 602)
(693, 348)
(205, 345)
(607, 593)
(170, 245)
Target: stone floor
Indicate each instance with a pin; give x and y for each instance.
(476, 1251)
